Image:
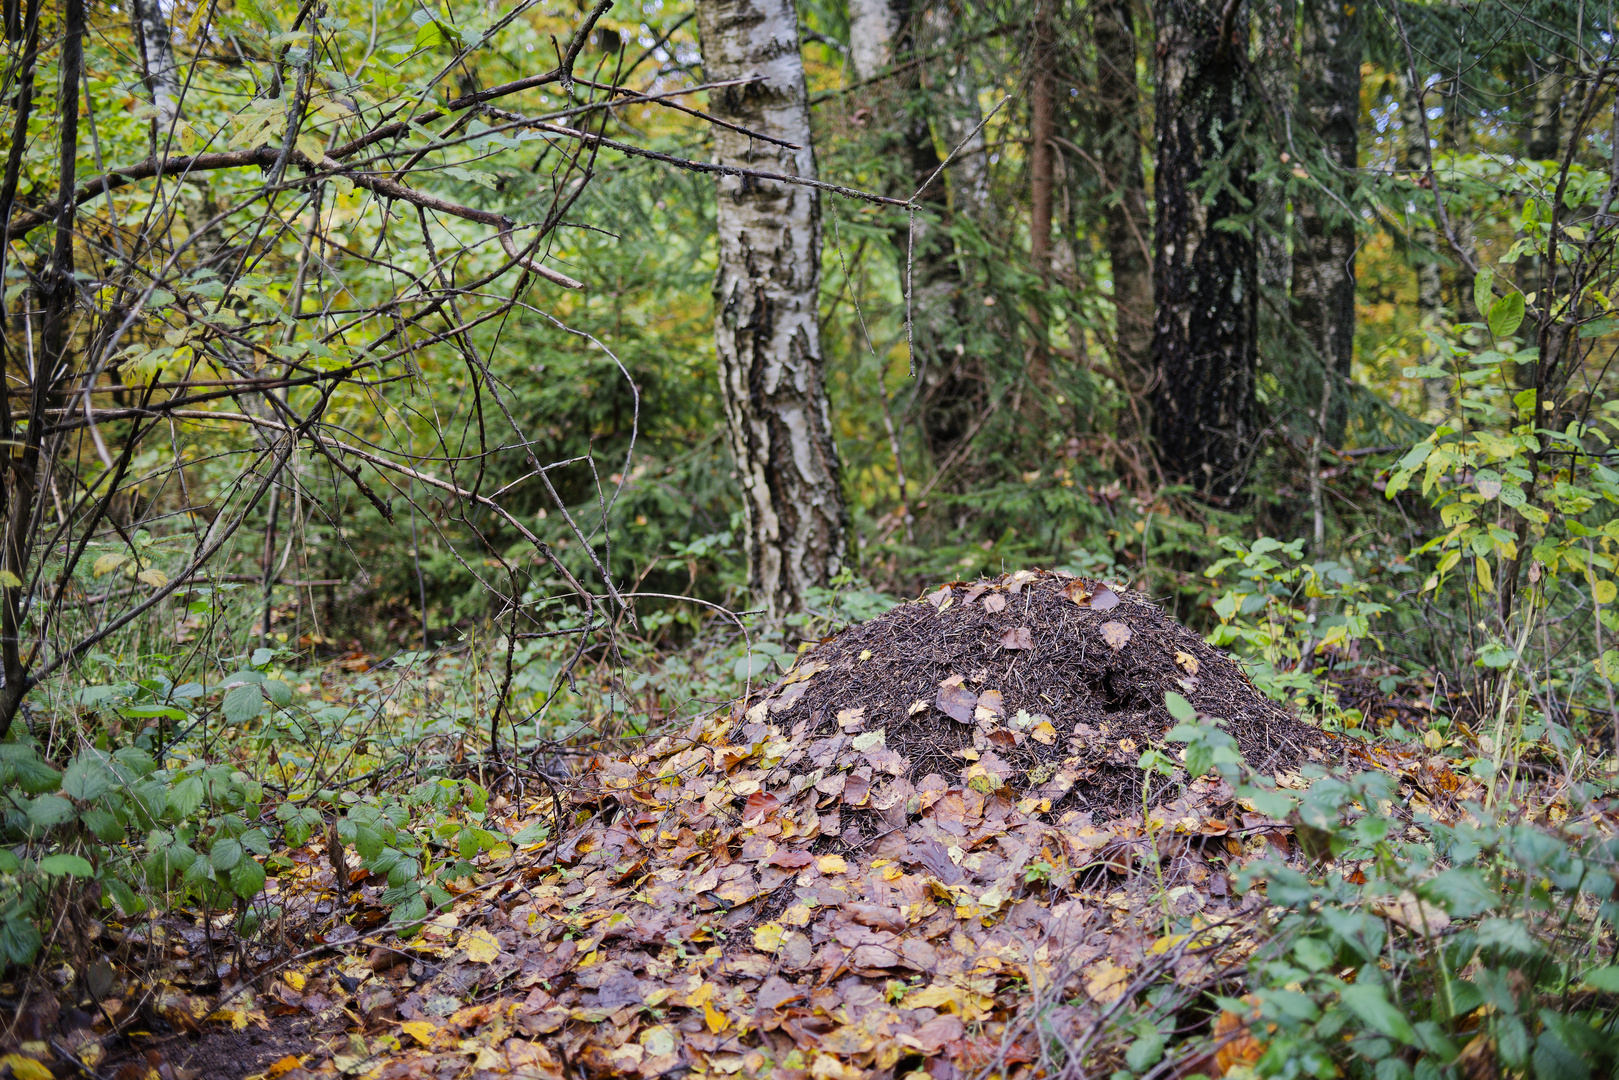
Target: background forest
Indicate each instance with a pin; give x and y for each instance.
(405, 403)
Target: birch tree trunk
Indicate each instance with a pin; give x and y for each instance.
(157, 57)
(883, 33)
(766, 330)
(1324, 258)
(1128, 227)
(1206, 278)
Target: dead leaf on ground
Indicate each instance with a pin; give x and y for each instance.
(1187, 662)
(1116, 634)
(1104, 600)
(995, 602)
(1019, 637)
(957, 702)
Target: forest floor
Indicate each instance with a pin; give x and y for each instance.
(951, 841)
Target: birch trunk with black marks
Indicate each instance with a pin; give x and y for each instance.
(1129, 229)
(959, 114)
(1324, 255)
(766, 331)
(1205, 278)
(1276, 71)
(882, 34)
(157, 59)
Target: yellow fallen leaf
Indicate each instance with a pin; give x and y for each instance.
(26, 1068)
(716, 1020)
(1043, 733)
(289, 1063)
(481, 946)
(294, 979)
(767, 938)
(796, 915)
(1106, 981)
(420, 1030)
(1187, 661)
(832, 864)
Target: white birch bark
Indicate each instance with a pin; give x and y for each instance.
(872, 26)
(766, 329)
(162, 73)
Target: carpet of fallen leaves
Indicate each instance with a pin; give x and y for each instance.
(768, 892)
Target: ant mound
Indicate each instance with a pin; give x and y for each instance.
(925, 847)
(1037, 684)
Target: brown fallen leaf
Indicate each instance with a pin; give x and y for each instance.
(940, 599)
(957, 702)
(759, 805)
(790, 860)
(1116, 634)
(1187, 662)
(1019, 637)
(995, 602)
(1077, 591)
(1104, 600)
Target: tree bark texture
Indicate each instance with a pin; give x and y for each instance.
(1129, 229)
(1324, 255)
(23, 481)
(766, 331)
(1276, 70)
(959, 114)
(1205, 278)
(883, 33)
(1416, 156)
(1042, 126)
(157, 56)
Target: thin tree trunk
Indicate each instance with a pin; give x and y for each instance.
(1416, 155)
(59, 296)
(1324, 259)
(766, 330)
(1129, 229)
(1042, 126)
(1276, 70)
(1206, 278)
(884, 33)
(961, 115)
(162, 73)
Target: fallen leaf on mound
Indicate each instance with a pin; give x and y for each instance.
(1078, 591)
(1187, 662)
(957, 702)
(994, 602)
(1116, 634)
(1019, 637)
(1104, 600)
(940, 599)
(759, 804)
(481, 947)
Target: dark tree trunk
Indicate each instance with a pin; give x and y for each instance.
(1128, 227)
(1206, 278)
(1324, 255)
(1042, 126)
(766, 320)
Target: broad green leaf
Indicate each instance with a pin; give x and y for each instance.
(1179, 708)
(1506, 314)
(242, 704)
(247, 878)
(1483, 298)
(67, 866)
(1371, 1004)
(185, 797)
(87, 778)
(225, 853)
(49, 810)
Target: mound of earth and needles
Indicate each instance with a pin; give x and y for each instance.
(923, 850)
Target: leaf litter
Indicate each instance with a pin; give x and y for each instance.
(889, 862)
